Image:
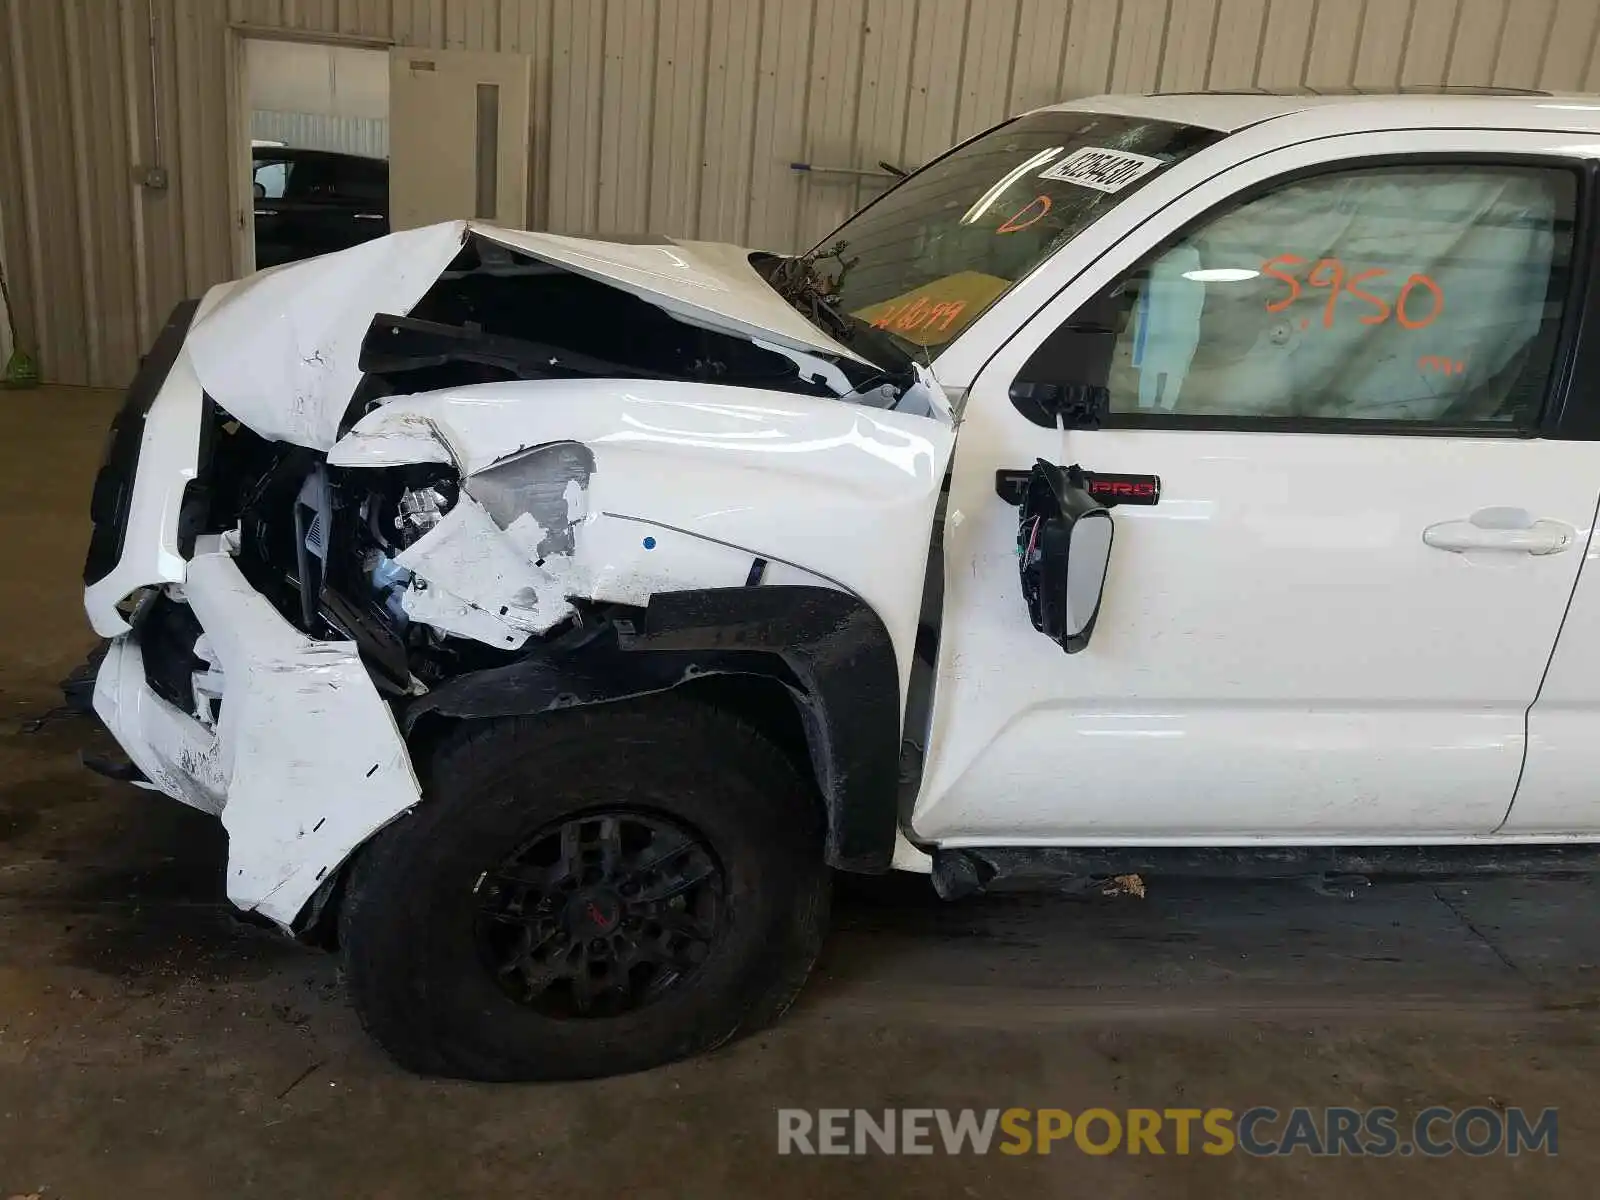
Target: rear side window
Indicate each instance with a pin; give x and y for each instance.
(271, 178)
(1428, 293)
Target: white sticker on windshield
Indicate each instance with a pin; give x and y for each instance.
(1102, 170)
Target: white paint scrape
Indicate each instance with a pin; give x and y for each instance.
(492, 571)
(577, 501)
(527, 535)
(317, 764)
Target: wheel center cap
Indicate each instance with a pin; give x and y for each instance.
(595, 913)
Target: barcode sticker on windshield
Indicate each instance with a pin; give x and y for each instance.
(1102, 170)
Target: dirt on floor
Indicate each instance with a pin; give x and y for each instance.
(151, 1044)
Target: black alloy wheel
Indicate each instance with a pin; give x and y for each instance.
(601, 914)
(587, 893)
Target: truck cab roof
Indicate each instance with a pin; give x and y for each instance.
(1353, 110)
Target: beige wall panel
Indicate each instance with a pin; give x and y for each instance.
(1041, 54)
(577, 72)
(525, 29)
(627, 90)
(1286, 43)
(1335, 43)
(52, 297)
(1428, 41)
(1476, 41)
(1236, 54)
(1523, 41)
(1091, 37)
(311, 14)
(986, 66)
(885, 95)
(369, 18)
(1186, 56)
(1570, 48)
(733, 58)
(781, 94)
(106, 224)
(6, 345)
(1140, 35)
(472, 25)
(939, 33)
(1383, 43)
(418, 23)
(18, 237)
(832, 132)
(680, 116)
(677, 131)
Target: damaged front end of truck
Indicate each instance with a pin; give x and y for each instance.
(463, 472)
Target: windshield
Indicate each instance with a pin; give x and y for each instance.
(932, 253)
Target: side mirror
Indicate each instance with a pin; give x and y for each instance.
(1064, 551)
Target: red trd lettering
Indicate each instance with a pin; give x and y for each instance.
(1123, 487)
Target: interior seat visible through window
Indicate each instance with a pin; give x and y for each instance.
(1428, 293)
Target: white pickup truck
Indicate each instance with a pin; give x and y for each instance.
(1171, 483)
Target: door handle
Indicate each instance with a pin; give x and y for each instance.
(1504, 529)
(266, 212)
(368, 216)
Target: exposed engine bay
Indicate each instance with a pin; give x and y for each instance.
(377, 556)
(462, 472)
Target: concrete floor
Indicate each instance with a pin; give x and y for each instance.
(152, 1046)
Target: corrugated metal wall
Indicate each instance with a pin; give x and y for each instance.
(676, 115)
(5, 314)
(368, 136)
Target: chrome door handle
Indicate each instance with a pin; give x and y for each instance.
(1503, 529)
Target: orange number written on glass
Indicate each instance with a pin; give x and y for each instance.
(1330, 273)
(920, 314)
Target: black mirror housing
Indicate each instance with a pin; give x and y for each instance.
(1064, 538)
(1065, 381)
(1069, 405)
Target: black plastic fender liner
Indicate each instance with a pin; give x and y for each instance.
(827, 646)
(599, 672)
(842, 658)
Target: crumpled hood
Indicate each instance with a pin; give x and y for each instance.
(280, 350)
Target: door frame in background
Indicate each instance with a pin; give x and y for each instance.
(437, 139)
(241, 202)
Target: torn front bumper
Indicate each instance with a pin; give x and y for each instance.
(304, 762)
(300, 755)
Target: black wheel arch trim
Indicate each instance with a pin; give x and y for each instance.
(827, 647)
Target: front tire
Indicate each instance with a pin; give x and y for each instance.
(587, 893)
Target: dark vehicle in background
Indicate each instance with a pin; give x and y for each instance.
(309, 202)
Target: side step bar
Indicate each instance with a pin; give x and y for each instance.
(959, 873)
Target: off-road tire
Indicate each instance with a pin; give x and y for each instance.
(413, 966)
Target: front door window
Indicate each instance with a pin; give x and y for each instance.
(1426, 293)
